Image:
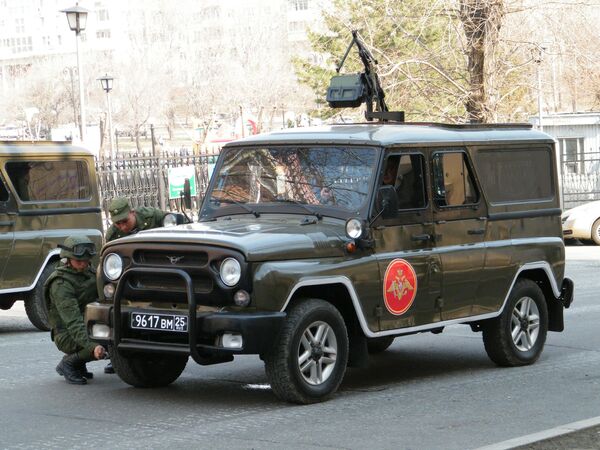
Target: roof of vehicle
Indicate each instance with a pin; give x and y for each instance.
(386, 134)
(25, 148)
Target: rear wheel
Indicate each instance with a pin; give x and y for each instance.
(379, 344)
(596, 232)
(35, 303)
(517, 336)
(148, 371)
(308, 362)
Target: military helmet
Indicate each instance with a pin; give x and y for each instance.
(77, 247)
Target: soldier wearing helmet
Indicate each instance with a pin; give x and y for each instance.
(68, 290)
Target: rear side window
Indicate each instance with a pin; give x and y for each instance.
(454, 184)
(49, 180)
(510, 175)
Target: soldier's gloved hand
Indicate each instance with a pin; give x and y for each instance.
(99, 352)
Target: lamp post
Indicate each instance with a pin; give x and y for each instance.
(538, 58)
(77, 18)
(107, 84)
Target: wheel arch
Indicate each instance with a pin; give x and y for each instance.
(337, 291)
(547, 285)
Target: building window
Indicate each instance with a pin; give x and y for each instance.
(299, 5)
(571, 153)
(103, 34)
(102, 15)
(20, 25)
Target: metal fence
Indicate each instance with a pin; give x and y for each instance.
(580, 178)
(144, 180)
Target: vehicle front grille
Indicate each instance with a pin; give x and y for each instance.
(171, 258)
(170, 283)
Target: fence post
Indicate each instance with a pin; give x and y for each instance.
(161, 178)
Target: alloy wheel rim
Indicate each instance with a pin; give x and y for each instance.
(525, 324)
(317, 353)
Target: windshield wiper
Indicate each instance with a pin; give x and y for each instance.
(302, 205)
(240, 204)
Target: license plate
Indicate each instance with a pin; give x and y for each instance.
(159, 322)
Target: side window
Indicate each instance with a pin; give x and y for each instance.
(49, 180)
(453, 180)
(403, 178)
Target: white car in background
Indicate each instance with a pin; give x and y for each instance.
(582, 222)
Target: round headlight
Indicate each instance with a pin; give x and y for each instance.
(231, 271)
(113, 266)
(170, 220)
(354, 228)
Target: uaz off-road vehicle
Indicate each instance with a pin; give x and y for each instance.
(468, 232)
(317, 246)
(48, 191)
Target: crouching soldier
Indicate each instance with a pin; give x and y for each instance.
(68, 290)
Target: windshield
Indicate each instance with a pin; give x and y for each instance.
(311, 178)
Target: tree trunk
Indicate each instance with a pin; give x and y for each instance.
(481, 21)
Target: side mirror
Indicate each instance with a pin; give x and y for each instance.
(386, 203)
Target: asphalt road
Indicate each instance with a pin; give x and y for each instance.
(426, 392)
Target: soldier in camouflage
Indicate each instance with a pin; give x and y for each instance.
(126, 221)
(68, 290)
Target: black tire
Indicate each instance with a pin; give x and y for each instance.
(146, 370)
(328, 355)
(35, 302)
(379, 344)
(596, 232)
(526, 307)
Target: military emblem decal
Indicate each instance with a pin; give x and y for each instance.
(399, 286)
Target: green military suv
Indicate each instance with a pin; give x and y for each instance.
(318, 246)
(48, 191)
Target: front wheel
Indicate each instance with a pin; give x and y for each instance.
(517, 336)
(148, 371)
(308, 361)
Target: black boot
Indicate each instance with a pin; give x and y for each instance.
(67, 367)
(83, 371)
(109, 368)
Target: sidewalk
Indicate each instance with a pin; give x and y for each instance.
(582, 435)
(587, 438)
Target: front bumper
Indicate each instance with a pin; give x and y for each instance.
(258, 329)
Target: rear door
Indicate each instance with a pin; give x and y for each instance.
(460, 221)
(7, 223)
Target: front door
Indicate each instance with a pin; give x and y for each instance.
(404, 238)
(460, 220)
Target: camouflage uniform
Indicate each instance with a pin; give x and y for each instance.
(69, 291)
(146, 218)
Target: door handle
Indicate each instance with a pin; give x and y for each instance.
(477, 231)
(421, 237)
(7, 223)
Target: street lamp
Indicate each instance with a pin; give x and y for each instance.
(538, 57)
(77, 18)
(107, 84)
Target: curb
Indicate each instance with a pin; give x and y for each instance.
(542, 435)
